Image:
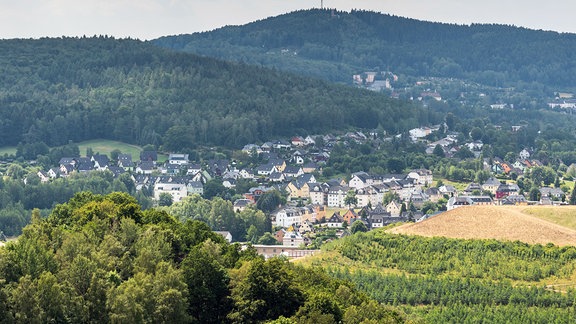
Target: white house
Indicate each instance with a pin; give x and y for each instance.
(176, 190)
(421, 176)
(336, 196)
(177, 158)
(287, 216)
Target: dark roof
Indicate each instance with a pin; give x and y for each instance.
(146, 165)
(116, 170)
(335, 218)
(290, 169)
(148, 156)
(101, 159)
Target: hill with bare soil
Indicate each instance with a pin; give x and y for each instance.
(498, 222)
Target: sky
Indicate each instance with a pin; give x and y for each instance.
(149, 19)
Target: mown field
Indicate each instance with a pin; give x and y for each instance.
(107, 146)
(101, 146)
(530, 224)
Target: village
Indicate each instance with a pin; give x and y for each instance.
(294, 168)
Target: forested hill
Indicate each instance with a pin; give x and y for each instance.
(61, 89)
(334, 45)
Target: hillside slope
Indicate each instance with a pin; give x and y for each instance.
(492, 222)
(56, 90)
(334, 45)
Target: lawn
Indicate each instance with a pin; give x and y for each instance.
(10, 150)
(106, 146)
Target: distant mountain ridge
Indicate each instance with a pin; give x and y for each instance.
(333, 45)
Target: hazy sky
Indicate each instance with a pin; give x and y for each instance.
(148, 19)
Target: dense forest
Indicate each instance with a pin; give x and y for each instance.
(73, 89)
(101, 259)
(458, 281)
(334, 45)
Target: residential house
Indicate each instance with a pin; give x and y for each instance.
(507, 189)
(418, 198)
(520, 165)
(310, 167)
(370, 195)
(491, 185)
(176, 190)
(241, 204)
(145, 167)
(85, 166)
(292, 238)
(455, 202)
(281, 145)
(447, 190)
(379, 217)
(178, 158)
(472, 187)
(254, 193)
(53, 173)
(288, 216)
(193, 168)
(309, 140)
(434, 194)
(394, 208)
(229, 183)
(195, 187)
(44, 177)
(360, 180)
(251, 149)
(298, 157)
(67, 161)
(298, 141)
(306, 227)
(514, 200)
(266, 169)
(350, 216)
(298, 189)
(293, 171)
(552, 193)
(336, 196)
(247, 174)
(334, 221)
(524, 154)
(276, 177)
(125, 162)
(482, 200)
(116, 170)
(280, 164)
(216, 168)
(226, 235)
(266, 147)
(150, 156)
(100, 161)
(318, 193)
(421, 176)
(279, 235)
(171, 168)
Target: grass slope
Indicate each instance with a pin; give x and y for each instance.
(103, 146)
(526, 224)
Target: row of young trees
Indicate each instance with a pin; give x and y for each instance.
(454, 280)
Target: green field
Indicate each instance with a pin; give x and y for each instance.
(106, 146)
(10, 150)
(101, 146)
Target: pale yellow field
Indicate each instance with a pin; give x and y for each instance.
(530, 224)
